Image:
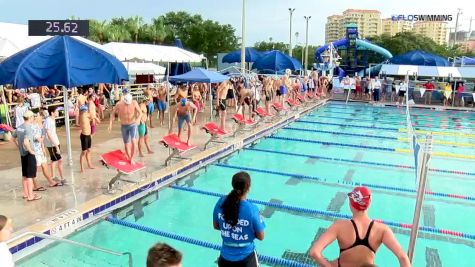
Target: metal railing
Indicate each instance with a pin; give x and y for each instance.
(79, 244)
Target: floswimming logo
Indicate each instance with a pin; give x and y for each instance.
(440, 18)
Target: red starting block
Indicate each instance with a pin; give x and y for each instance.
(279, 108)
(177, 146)
(216, 133)
(293, 104)
(118, 160)
(242, 123)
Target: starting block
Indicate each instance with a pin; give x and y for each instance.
(280, 108)
(242, 123)
(118, 160)
(262, 113)
(293, 104)
(177, 146)
(216, 133)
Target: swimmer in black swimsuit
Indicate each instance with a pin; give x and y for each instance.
(221, 92)
(358, 251)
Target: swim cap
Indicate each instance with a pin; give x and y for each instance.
(360, 198)
(83, 108)
(128, 99)
(183, 101)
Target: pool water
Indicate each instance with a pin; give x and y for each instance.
(302, 166)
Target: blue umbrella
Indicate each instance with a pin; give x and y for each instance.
(61, 60)
(64, 61)
(276, 61)
(421, 58)
(235, 56)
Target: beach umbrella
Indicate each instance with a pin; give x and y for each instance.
(276, 61)
(61, 60)
(251, 56)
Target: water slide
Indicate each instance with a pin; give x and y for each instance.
(361, 44)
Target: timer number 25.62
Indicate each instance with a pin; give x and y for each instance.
(68, 27)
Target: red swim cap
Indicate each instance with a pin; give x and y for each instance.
(360, 198)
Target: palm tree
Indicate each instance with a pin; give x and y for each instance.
(157, 31)
(117, 33)
(134, 24)
(98, 31)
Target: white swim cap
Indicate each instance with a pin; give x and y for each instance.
(128, 99)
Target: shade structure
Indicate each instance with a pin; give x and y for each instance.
(200, 75)
(276, 61)
(251, 56)
(7, 48)
(14, 37)
(179, 68)
(61, 60)
(420, 58)
(465, 61)
(134, 68)
(149, 52)
(428, 71)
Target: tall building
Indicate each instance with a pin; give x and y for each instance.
(436, 31)
(392, 27)
(333, 28)
(368, 21)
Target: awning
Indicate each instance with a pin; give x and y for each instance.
(134, 68)
(148, 52)
(428, 71)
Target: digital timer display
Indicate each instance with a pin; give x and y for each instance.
(58, 27)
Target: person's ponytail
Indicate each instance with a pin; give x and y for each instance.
(230, 207)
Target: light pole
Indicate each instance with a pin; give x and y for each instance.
(243, 37)
(306, 43)
(291, 11)
(459, 12)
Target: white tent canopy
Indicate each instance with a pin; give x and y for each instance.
(148, 52)
(14, 38)
(134, 68)
(426, 71)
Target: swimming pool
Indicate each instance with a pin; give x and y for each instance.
(300, 177)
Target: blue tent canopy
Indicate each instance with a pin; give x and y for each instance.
(276, 61)
(235, 56)
(178, 68)
(200, 75)
(61, 60)
(420, 58)
(465, 61)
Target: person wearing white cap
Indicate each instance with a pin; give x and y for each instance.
(23, 138)
(129, 114)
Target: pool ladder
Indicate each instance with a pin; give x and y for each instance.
(75, 243)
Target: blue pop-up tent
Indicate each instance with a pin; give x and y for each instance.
(420, 58)
(276, 61)
(200, 75)
(61, 60)
(251, 56)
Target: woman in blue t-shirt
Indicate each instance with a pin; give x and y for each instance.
(240, 223)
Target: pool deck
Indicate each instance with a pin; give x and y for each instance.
(57, 211)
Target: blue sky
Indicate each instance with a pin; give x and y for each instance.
(265, 18)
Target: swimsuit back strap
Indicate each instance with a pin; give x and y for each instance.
(356, 230)
(366, 238)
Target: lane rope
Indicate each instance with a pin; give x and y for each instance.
(263, 258)
(342, 182)
(399, 150)
(398, 166)
(331, 214)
